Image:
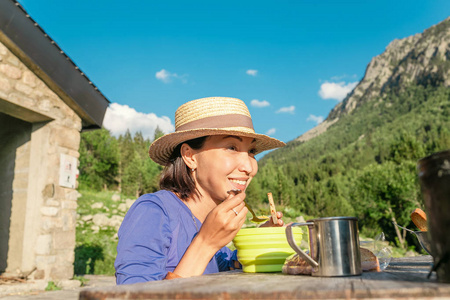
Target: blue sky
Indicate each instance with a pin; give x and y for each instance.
(290, 61)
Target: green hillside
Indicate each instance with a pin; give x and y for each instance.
(365, 164)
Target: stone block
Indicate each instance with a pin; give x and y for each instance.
(100, 220)
(95, 228)
(66, 137)
(44, 105)
(50, 223)
(129, 202)
(3, 50)
(69, 284)
(68, 218)
(60, 192)
(14, 60)
(27, 90)
(29, 78)
(64, 240)
(69, 256)
(47, 224)
(21, 100)
(122, 207)
(68, 204)
(71, 152)
(49, 211)
(49, 191)
(61, 272)
(43, 244)
(87, 218)
(3, 94)
(115, 221)
(73, 195)
(4, 84)
(10, 71)
(52, 202)
(97, 205)
(39, 274)
(37, 93)
(43, 261)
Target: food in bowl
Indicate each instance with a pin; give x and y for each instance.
(264, 249)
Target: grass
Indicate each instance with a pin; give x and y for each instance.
(51, 286)
(95, 250)
(81, 279)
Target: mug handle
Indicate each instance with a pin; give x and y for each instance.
(290, 239)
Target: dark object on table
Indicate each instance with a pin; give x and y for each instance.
(434, 177)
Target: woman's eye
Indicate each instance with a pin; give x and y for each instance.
(252, 151)
(233, 148)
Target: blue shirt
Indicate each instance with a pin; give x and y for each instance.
(153, 237)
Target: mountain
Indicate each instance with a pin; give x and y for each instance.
(361, 161)
(422, 59)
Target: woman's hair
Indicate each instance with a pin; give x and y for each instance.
(176, 176)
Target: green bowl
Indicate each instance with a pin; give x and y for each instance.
(264, 249)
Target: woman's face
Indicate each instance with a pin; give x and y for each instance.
(224, 163)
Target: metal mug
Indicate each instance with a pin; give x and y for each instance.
(334, 246)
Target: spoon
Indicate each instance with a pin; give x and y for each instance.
(255, 219)
(422, 236)
(404, 228)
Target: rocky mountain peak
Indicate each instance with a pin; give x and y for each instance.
(423, 59)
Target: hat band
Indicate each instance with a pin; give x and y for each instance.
(232, 120)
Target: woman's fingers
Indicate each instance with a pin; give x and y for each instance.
(233, 200)
(270, 223)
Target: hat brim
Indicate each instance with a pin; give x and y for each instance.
(161, 149)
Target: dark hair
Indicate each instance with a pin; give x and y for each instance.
(176, 176)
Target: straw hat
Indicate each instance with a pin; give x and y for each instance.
(209, 116)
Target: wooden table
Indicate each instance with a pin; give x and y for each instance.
(404, 278)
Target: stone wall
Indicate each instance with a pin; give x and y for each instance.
(42, 214)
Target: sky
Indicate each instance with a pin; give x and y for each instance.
(291, 62)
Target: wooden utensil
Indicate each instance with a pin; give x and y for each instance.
(273, 211)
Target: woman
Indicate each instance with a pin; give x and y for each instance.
(182, 230)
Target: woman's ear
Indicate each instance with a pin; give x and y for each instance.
(187, 153)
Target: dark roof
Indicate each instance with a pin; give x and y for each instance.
(43, 56)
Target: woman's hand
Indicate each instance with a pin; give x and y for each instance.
(224, 221)
(270, 223)
(218, 229)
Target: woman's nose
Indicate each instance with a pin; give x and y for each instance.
(246, 163)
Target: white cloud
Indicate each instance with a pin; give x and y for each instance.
(271, 131)
(317, 119)
(289, 109)
(163, 75)
(119, 118)
(257, 103)
(336, 90)
(166, 76)
(252, 72)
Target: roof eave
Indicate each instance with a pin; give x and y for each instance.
(26, 39)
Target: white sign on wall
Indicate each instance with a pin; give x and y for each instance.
(68, 171)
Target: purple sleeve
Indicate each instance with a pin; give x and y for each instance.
(226, 258)
(144, 240)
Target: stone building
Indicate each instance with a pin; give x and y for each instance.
(45, 102)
